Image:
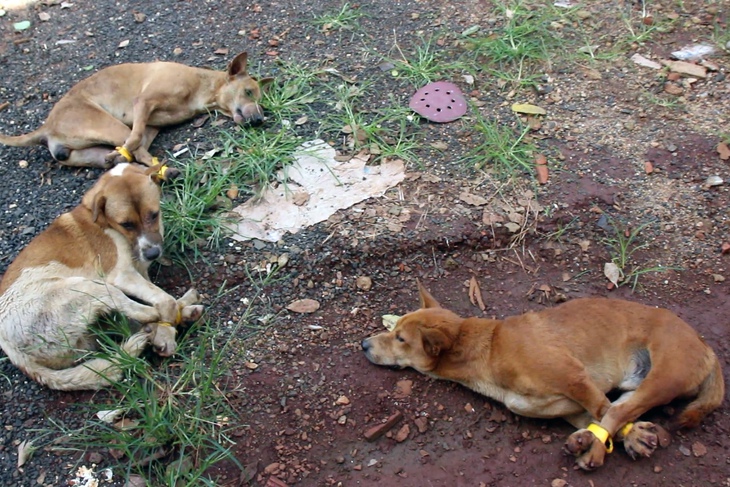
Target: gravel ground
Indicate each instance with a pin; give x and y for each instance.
(606, 119)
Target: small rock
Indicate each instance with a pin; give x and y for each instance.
(725, 248)
(713, 181)
(342, 401)
(402, 434)
(403, 388)
(558, 483)
(364, 283)
(275, 482)
(421, 423)
(698, 449)
(342, 420)
(95, 457)
(273, 468)
(658, 469)
(673, 89)
(375, 432)
(684, 450)
(547, 439)
(718, 278)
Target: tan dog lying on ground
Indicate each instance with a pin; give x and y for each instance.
(124, 106)
(561, 362)
(89, 262)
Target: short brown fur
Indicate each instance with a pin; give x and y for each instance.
(561, 362)
(126, 105)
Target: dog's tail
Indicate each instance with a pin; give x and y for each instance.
(709, 398)
(37, 137)
(91, 375)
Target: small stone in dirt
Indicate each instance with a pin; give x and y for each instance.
(713, 181)
(673, 89)
(340, 460)
(725, 248)
(403, 388)
(342, 420)
(468, 408)
(273, 468)
(698, 449)
(375, 432)
(402, 434)
(718, 278)
(303, 306)
(658, 469)
(275, 482)
(648, 167)
(421, 423)
(364, 283)
(342, 401)
(547, 439)
(684, 450)
(558, 483)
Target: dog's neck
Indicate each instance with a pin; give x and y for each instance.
(211, 83)
(471, 341)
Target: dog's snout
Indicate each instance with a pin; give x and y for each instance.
(152, 253)
(365, 344)
(256, 121)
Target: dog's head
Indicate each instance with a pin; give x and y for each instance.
(126, 199)
(240, 96)
(418, 340)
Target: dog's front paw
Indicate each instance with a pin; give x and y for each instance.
(641, 440)
(114, 158)
(192, 296)
(579, 442)
(589, 450)
(191, 314)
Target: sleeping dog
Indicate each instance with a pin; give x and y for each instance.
(561, 362)
(88, 262)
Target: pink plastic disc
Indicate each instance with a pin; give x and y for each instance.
(441, 101)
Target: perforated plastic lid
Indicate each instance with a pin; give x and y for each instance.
(441, 101)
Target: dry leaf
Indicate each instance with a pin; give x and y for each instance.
(304, 306)
(528, 108)
(475, 294)
(542, 174)
(723, 150)
(389, 321)
(472, 199)
(222, 51)
(25, 451)
(612, 272)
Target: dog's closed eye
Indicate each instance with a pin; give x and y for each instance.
(400, 338)
(129, 226)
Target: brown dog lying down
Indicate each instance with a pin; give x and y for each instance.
(113, 115)
(561, 362)
(89, 262)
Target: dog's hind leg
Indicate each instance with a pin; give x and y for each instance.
(93, 374)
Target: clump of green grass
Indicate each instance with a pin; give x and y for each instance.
(623, 245)
(173, 421)
(518, 51)
(385, 133)
(346, 18)
(504, 150)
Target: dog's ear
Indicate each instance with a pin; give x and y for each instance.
(97, 206)
(435, 341)
(264, 83)
(427, 301)
(237, 67)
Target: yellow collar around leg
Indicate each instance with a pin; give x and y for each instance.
(602, 434)
(124, 152)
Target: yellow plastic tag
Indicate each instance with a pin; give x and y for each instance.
(125, 153)
(626, 429)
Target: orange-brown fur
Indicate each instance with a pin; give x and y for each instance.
(561, 362)
(125, 105)
(88, 262)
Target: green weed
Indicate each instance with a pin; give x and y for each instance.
(173, 421)
(346, 18)
(622, 245)
(502, 149)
